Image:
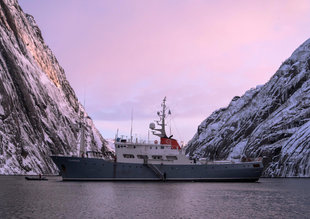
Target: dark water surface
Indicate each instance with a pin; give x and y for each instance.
(269, 198)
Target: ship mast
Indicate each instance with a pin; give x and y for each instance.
(82, 136)
(161, 132)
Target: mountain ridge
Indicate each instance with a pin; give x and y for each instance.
(40, 114)
(266, 121)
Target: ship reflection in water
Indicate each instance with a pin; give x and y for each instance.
(270, 198)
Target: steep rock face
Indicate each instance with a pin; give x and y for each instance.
(272, 120)
(39, 112)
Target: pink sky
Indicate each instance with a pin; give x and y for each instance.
(124, 55)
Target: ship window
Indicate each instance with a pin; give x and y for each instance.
(157, 157)
(171, 157)
(142, 156)
(118, 146)
(150, 147)
(162, 147)
(156, 147)
(134, 146)
(128, 156)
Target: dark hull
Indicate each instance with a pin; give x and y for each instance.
(92, 169)
(33, 178)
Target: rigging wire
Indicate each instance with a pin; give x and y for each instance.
(172, 121)
(176, 128)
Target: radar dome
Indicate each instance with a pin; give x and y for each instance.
(152, 126)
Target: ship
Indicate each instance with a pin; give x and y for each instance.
(160, 160)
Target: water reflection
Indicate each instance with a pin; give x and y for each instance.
(270, 198)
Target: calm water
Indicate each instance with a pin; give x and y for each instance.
(270, 198)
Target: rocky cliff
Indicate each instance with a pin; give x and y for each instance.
(272, 120)
(39, 111)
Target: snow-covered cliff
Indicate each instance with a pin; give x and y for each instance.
(39, 112)
(272, 120)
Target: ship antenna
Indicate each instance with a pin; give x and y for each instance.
(84, 100)
(131, 125)
(82, 129)
(161, 122)
(116, 135)
(170, 126)
(82, 138)
(163, 117)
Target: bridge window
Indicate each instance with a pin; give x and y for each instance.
(128, 156)
(171, 157)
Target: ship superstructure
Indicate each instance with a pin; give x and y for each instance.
(166, 151)
(159, 160)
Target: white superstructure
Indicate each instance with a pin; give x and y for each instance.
(167, 151)
(150, 153)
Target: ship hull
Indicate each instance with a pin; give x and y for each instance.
(93, 169)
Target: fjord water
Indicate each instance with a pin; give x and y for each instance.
(269, 198)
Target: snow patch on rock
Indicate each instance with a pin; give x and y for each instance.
(270, 121)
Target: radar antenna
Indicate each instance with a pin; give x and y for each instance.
(161, 132)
